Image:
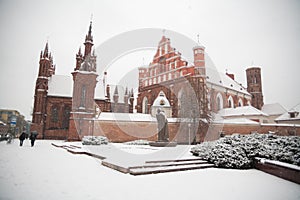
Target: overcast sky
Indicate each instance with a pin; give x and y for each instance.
(236, 34)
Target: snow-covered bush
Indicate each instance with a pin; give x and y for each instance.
(238, 151)
(138, 142)
(94, 140)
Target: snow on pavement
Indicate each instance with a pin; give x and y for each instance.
(46, 172)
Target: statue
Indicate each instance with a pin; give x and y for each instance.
(163, 132)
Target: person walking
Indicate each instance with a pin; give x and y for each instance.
(22, 138)
(32, 138)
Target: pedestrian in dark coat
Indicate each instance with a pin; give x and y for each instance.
(32, 138)
(22, 138)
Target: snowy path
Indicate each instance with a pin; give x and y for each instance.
(46, 172)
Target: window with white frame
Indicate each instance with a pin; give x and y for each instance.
(240, 102)
(219, 101)
(230, 102)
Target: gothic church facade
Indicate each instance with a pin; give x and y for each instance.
(65, 105)
(194, 88)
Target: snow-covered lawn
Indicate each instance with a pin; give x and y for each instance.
(46, 172)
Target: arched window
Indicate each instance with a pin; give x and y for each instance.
(241, 102)
(248, 103)
(230, 102)
(66, 117)
(54, 113)
(145, 105)
(219, 102)
(254, 79)
(83, 95)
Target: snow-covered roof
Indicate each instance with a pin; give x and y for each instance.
(286, 116)
(222, 80)
(138, 117)
(273, 109)
(60, 85)
(235, 121)
(241, 111)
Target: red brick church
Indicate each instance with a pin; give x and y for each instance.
(185, 84)
(68, 107)
(64, 104)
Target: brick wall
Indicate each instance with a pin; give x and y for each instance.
(228, 129)
(123, 131)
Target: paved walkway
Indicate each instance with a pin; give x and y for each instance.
(139, 159)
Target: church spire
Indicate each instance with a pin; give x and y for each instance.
(89, 36)
(88, 41)
(116, 95)
(46, 51)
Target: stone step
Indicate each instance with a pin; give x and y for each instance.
(170, 163)
(175, 160)
(164, 169)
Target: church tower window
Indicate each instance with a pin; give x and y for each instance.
(65, 122)
(54, 114)
(83, 95)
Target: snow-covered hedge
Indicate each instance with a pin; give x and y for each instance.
(138, 142)
(94, 140)
(238, 151)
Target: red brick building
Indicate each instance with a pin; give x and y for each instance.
(193, 87)
(64, 103)
(66, 107)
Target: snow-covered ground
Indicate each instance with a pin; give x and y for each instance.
(46, 172)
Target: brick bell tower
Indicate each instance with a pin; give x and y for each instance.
(199, 80)
(46, 70)
(84, 84)
(254, 86)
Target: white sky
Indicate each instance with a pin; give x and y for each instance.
(235, 34)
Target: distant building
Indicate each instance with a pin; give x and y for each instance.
(244, 112)
(12, 121)
(254, 86)
(273, 111)
(290, 117)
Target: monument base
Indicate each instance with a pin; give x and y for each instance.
(163, 144)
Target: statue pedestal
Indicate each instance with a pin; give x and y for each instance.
(163, 144)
